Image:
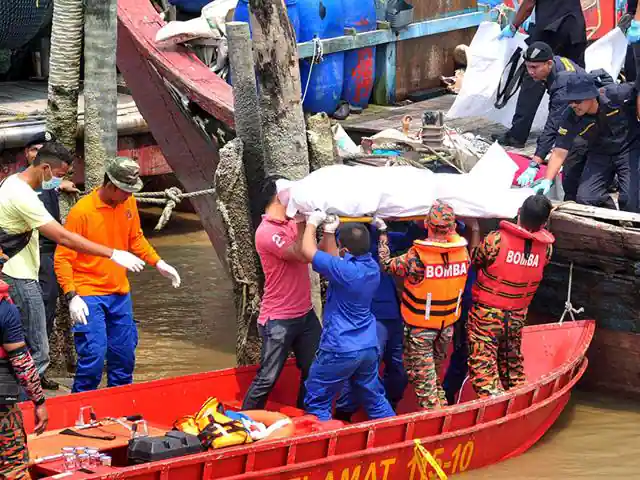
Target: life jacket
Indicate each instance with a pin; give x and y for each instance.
(9, 386)
(435, 301)
(213, 427)
(512, 280)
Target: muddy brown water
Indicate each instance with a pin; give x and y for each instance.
(191, 329)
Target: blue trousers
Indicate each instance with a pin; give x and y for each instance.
(332, 370)
(394, 378)
(110, 334)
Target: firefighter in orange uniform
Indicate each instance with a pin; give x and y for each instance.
(510, 263)
(435, 273)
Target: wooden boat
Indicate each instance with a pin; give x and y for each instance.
(472, 434)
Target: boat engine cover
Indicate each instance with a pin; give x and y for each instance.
(153, 449)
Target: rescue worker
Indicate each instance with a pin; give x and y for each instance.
(287, 321)
(17, 371)
(22, 218)
(389, 325)
(545, 67)
(510, 263)
(348, 350)
(607, 120)
(561, 25)
(435, 272)
(98, 292)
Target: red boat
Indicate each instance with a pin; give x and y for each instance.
(472, 434)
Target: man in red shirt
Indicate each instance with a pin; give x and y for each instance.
(287, 320)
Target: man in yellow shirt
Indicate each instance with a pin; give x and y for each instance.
(98, 290)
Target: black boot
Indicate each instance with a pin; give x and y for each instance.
(48, 384)
(506, 140)
(342, 415)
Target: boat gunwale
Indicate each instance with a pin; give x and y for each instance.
(579, 361)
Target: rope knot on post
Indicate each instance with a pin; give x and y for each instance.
(170, 198)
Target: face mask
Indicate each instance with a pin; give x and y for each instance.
(52, 183)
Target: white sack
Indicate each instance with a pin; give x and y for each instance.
(407, 191)
(487, 57)
(608, 53)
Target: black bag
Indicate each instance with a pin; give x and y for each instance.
(13, 243)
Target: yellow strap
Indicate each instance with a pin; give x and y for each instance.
(567, 64)
(370, 219)
(423, 457)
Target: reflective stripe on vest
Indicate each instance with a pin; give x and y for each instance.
(513, 279)
(435, 301)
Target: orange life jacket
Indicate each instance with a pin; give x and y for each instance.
(512, 280)
(435, 301)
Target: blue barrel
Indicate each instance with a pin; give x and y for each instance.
(359, 65)
(322, 81)
(241, 14)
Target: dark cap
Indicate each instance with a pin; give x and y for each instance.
(580, 86)
(538, 52)
(124, 173)
(40, 138)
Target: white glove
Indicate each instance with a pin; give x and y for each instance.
(331, 223)
(168, 271)
(316, 218)
(78, 310)
(127, 260)
(379, 224)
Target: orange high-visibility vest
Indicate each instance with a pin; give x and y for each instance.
(435, 301)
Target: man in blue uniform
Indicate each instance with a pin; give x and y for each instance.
(348, 350)
(607, 120)
(561, 25)
(389, 323)
(551, 71)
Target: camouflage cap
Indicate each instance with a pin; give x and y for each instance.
(124, 173)
(441, 218)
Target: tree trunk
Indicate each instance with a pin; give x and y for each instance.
(276, 59)
(100, 89)
(62, 121)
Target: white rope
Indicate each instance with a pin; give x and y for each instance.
(316, 58)
(170, 198)
(568, 307)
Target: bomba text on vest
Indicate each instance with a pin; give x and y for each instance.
(449, 271)
(519, 258)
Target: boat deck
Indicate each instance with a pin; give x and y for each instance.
(23, 107)
(376, 118)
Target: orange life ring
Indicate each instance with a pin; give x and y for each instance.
(268, 419)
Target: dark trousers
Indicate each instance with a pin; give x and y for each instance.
(573, 168)
(633, 204)
(598, 176)
(394, 378)
(279, 337)
(630, 66)
(531, 92)
(457, 370)
(50, 288)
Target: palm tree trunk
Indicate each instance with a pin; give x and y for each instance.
(100, 89)
(62, 120)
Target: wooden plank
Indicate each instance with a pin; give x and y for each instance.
(434, 26)
(597, 212)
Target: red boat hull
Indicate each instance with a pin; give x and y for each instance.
(469, 435)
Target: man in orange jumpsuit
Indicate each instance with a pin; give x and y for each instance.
(510, 263)
(98, 290)
(435, 272)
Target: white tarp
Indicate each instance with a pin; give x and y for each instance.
(487, 57)
(407, 191)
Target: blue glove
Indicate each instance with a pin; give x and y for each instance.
(542, 186)
(633, 33)
(507, 32)
(526, 178)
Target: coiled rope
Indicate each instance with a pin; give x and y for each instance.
(170, 198)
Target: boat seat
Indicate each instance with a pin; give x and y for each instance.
(272, 406)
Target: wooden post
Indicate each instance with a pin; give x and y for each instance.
(247, 111)
(276, 60)
(100, 89)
